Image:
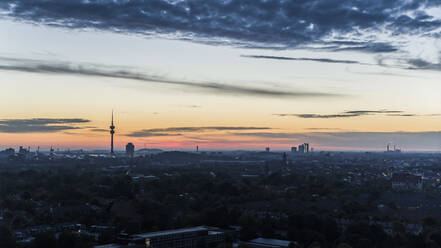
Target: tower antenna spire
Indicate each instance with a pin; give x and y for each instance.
(112, 132)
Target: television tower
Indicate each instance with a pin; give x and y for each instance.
(112, 132)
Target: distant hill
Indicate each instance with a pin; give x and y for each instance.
(177, 156)
(149, 150)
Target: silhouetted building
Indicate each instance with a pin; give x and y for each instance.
(130, 150)
(267, 149)
(293, 149)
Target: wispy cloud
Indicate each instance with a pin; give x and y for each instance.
(40, 125)
(63, 68)
(99, 130)
(177, 131)
(382, 73)
(192, 106)
(321, 60)
(146, 133)
(349, 114)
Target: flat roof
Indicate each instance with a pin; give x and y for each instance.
(272, 242)
(108, 246)
(168, 232)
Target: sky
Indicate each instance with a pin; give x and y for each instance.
(232, 74)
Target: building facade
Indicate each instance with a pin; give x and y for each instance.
(193, 237)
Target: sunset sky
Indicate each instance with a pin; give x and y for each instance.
(339, 74)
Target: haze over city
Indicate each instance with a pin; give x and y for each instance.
(221, 74)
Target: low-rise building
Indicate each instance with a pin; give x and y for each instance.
(267, 243)
(193, 237)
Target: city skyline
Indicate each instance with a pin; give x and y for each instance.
(339, 84)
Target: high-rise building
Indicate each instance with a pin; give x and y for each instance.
(267, 149)
(306, 145)
(130, 150)
(112, 132)
(301, 148)
(293, 149)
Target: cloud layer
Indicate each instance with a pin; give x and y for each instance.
(351, 113)
(338, 24)
(39, 125)
(355, 140)
(177, 131)
(322, 60)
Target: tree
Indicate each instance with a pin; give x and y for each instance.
(45, 240)
(7, 240)
(430, 222)
(67, 240)
(398, 228)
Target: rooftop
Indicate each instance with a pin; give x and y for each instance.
(168, 232)
(271, 242)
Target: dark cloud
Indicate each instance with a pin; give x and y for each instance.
(60, 68)
(247, 23)
(420, 64)
(176, 131)
(39, 125)
(366, 112)
(348, 114)
(99, 130)
(408, 63)
(323, 60)
(411, 115)
(369, 47)
(317, 116)
(406, 115)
